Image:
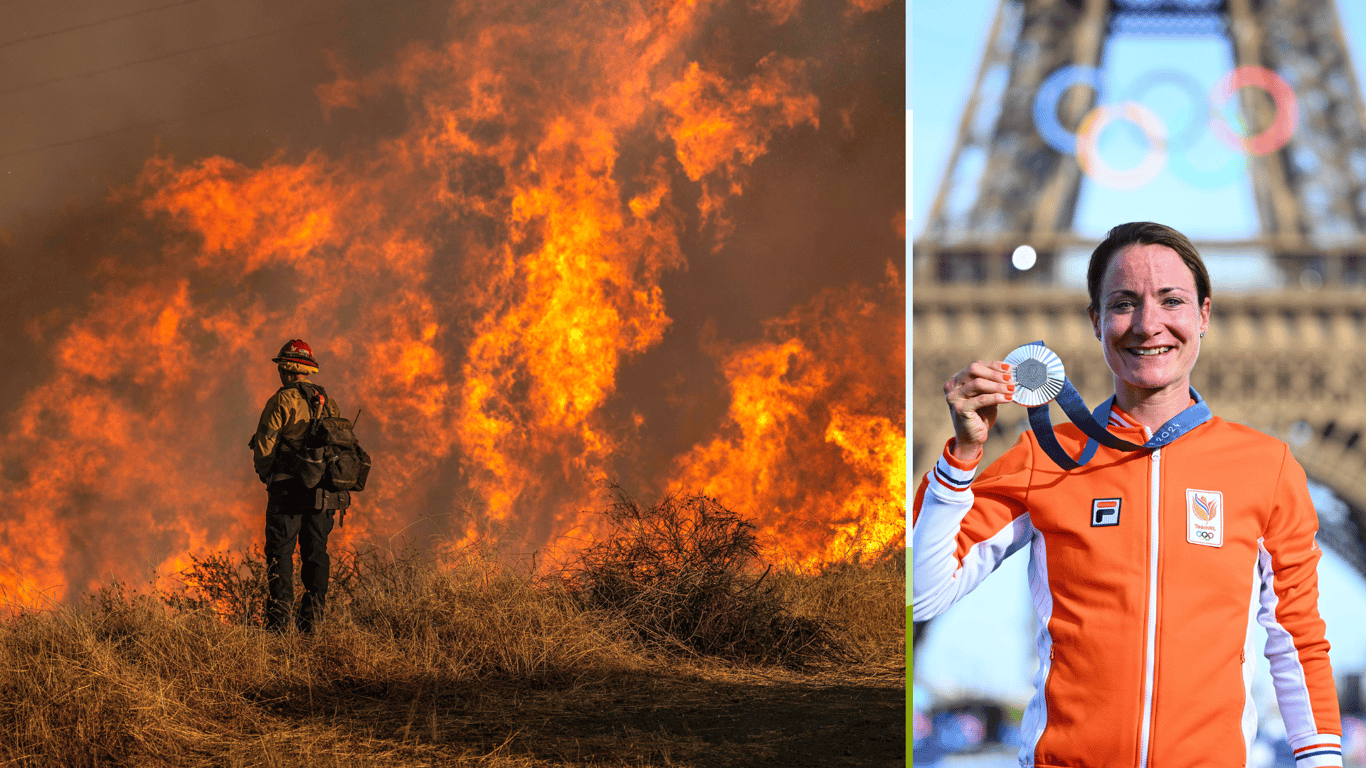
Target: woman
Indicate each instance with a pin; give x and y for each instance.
(1146, 567)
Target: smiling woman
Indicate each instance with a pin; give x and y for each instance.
(1146, 566)
(1150, 303)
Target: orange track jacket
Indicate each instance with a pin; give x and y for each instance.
(1147, 570)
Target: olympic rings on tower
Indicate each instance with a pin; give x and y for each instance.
(1195, 94)
(1287, 110)
(1046, 104)
(1181, 144)
(1164, 149)
(1088, 156)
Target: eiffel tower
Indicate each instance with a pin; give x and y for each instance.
(1289, 361)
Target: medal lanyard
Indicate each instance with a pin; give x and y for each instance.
(1040, 379)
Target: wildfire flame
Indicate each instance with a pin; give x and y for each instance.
(809, 451)
(476, 282)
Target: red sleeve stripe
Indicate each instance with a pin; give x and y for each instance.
(949, 482)
(954, 474)
(1322, 751)
(1329, 756)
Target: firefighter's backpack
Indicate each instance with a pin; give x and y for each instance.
(330, 458)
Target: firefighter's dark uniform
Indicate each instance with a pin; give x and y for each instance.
(292, 512)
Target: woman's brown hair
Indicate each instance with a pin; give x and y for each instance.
(1144, 233)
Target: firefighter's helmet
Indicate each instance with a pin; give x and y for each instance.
(296, 351)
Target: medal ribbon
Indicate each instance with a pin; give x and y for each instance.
(1092, 424)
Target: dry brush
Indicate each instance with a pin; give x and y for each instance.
(182, 674)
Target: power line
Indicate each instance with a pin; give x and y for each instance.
(159, 57)
(89, 24)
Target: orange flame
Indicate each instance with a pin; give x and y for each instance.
(474, 282)
(719, 128)
(815, 445)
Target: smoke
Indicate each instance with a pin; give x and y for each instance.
(534, 242)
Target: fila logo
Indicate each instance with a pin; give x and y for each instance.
(1104, 512)
(1205, 517)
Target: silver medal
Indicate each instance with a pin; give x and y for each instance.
(1037, 374)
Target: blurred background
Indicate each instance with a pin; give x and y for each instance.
(1040, 124)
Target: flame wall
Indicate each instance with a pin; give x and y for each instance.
(528, 277)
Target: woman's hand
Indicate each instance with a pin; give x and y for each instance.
(973, 394)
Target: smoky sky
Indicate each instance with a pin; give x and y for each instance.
(92, 90)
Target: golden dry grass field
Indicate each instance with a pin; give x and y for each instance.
(632, 655)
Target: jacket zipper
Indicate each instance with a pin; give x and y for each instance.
(1150, 661)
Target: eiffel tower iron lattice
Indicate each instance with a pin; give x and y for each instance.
(1310, 193)
(1288, 361)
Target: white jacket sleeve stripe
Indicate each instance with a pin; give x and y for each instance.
(1249, 721)
(1317, 750)
(1036, 713)
(1287, 674)
(938, 578)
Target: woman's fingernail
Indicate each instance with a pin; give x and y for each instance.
(1006, 366)
(1010, 387)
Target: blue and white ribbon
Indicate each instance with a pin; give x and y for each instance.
(1039, 378)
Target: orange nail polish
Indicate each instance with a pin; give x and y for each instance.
(1006, 366)
(1010, 387)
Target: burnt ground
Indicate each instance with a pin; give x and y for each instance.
(683, 716)
(757, 719)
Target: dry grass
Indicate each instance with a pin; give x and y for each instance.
(419, 662)
(685, 575)
(862, 601)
